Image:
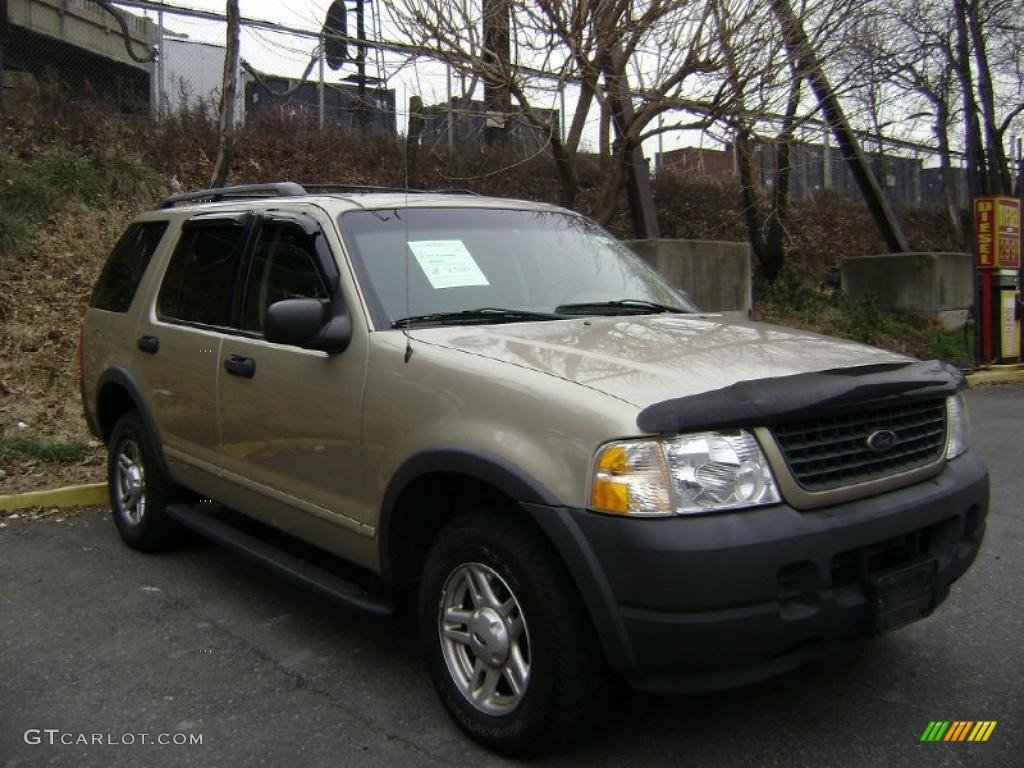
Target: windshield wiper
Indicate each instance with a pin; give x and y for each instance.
(595, 307)
(481, 315)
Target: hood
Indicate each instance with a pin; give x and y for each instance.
(645, 359)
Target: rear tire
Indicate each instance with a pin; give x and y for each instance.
(139, 489)
(509, 645)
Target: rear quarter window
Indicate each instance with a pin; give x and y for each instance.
(126, 265)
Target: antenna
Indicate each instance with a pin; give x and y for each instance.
(405, 250)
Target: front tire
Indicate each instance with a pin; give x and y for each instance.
(509, 645)
(139, 489)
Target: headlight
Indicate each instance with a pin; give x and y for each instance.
(958, 427)
(702, 472)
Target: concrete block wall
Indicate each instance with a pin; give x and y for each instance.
(936, 286)
(716, 274)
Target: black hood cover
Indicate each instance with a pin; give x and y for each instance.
(764, 402)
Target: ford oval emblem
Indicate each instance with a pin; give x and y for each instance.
(881, 440)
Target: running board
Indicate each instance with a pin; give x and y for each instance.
(297, 570)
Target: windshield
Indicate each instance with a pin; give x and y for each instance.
(514, 265)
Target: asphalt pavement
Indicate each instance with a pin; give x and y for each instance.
(102, 645)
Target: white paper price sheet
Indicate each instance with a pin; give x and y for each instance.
(447, 263)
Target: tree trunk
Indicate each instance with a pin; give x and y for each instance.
(604, 128)
(226, 121)
(579, 117)
(774, 256)
(748, 196)
(627, 152)
(608, 202)
(412, 142)
(568, 180)
(977, 178)
(998, 170)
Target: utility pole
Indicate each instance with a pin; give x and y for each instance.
(497, 53)
(361, 63)
(226, 122)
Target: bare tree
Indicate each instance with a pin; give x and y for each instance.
(959, 63)
(637, 60)
(771, 50)
(995, 30)
(905, 54)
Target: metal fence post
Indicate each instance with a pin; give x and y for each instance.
(161, 82)
(451, 114)
(826, 158)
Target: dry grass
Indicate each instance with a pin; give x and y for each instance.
(46, 290)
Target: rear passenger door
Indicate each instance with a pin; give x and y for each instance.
(290, 418)
(178, 342)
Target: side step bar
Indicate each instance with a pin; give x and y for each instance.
(299, 571)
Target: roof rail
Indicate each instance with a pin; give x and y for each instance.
(332, 188)
(277, 189)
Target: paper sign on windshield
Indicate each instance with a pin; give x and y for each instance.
(447, 263)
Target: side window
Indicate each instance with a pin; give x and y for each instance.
(284, 266)
(125, 266)
(200, 280)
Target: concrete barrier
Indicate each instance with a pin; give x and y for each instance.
(937, 286)
(716, 274)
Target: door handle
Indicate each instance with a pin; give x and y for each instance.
(149, 344)
(237, 365)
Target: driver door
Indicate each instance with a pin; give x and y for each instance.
(290, 418)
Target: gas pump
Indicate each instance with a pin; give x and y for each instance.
(997, 259)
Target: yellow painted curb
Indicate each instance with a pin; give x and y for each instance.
(997, 374)
(93, 495)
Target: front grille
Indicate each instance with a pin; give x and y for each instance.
(827, 452)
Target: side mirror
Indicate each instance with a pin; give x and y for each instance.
(307, 323)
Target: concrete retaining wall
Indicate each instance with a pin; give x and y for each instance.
(715, 274)
(937, 286)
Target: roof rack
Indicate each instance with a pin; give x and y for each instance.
(290, 189)
(332, 188)
(278, 189)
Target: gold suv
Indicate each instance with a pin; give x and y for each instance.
(493, 406)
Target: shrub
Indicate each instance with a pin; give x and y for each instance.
(127, 177)
(70, 171)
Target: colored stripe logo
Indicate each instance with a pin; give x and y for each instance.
(958, 730)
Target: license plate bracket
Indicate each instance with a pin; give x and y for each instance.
(902, 595)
